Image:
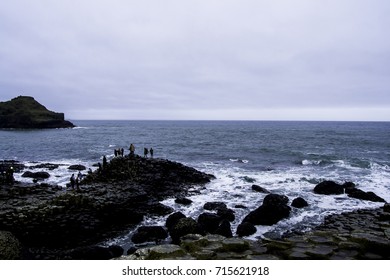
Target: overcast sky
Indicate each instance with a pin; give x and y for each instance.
(205, 59)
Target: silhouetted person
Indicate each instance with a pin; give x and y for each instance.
(72, 181)
(146, 152)
(104, 162)
(151, 152)
(122, 152)
(132, 150)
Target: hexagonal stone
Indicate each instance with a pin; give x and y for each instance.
(320, 251)
(165, 251)
(235, 245)
(204, 255)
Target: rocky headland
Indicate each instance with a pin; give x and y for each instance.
(41, 221)
(24, 112)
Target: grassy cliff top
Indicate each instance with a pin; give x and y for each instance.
(26, 112)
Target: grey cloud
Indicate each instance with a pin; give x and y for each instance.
(193, 59)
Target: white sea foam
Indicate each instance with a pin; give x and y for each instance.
(59, 176)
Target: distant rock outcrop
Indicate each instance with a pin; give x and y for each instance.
(25, 112)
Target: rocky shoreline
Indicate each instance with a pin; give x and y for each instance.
(41, 221)
(362, 234)
(55, 223)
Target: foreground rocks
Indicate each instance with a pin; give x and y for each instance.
(349, 188)
(52, 223)
(363, 234)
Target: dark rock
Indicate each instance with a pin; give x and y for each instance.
(329, 188)
(131, 250)
(6, 164)
(226, 214)
(77, 167)
(259, 189)
(183, 201)
(159, 209)
(246, 229)
(173, 219)
(214, 206)
(275, 200)
(224, 229)
(25, 112)
(359, 194)
(149, 234)
(386, 207)
(116, 251)
(10, 247)
(273, 209)
(92, 253)
(110, 202)
(209, 222)
(50, 166)
(41, 175)
(183, 227)
(248, 179)
(348, 186)
(240, 206)
(299, 202)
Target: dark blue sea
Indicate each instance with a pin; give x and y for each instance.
(284, 157)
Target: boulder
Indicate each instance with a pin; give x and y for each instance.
(77, 167)
(329, 188)
(50, 166)
(359, 194)
(259, 189)
(149, 234)
(226, 214)
(246, 229)
(273, 209)
(41, 175)
(183, 201)
(173, 219)
(214, 206)
(299, 202)
(224, 229)
(183, 227)
(209, 222)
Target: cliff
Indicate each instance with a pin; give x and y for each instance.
(26, 112)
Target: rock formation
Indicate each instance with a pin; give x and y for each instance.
(26, 113)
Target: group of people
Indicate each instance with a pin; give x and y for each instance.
(119, 152)
(75, 181)
(146, 151)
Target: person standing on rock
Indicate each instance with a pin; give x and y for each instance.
(104, 162)
(132, 150)
(146, 152)
(72, 181)
(151, 152)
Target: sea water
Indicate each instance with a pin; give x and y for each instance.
(287, 158)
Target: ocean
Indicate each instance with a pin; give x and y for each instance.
(285, 157)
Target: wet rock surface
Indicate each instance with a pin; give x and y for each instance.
(51, 222)
(363, 234)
